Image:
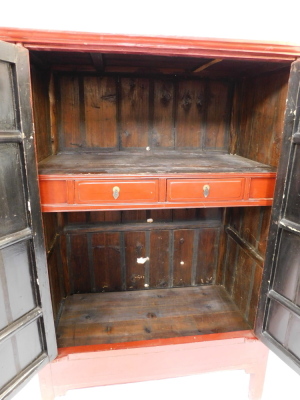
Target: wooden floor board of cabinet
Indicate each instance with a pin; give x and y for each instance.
(98, 318)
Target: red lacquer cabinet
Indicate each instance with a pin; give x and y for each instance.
(137, 184)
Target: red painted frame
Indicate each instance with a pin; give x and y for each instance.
(67, 366)
(58, 191)
(91, 366)
(161, 45)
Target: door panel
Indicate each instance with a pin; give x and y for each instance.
(27, 337)
(12, 213)
(293, 204)
(17, 279)
(7, 110)
(278, 320)
(287, 270)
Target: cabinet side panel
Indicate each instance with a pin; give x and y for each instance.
(40, 80)
(258, 115)
(51, 223)
(243, 267)
(256, 133)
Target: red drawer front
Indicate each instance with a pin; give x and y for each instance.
(216, 189)
(53, 191)
(262, 188)
(97, 192)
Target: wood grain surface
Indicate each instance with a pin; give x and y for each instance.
(144, 315)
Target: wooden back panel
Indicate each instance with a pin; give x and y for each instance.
(117, 112)
(182, 247)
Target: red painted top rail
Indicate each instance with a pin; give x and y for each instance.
(156, 45)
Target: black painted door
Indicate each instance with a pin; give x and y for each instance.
(27, 336)
(278, 322)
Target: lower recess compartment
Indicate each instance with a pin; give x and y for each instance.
(99, 318)
(188, 309)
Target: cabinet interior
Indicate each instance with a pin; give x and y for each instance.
(138, 114)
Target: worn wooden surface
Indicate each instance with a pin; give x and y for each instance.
(106, 112)
(258, 112)
(41, 111)
(103, 257)
(119, 317)
(258, 106)
(147, 162)
(243, 264)
(52, 226)
(134, 44)
(148, 65)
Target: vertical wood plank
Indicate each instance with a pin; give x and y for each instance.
(264, 231)
(255, 295)
(232, 252)
(159, 259)
(50, 224)
(184, 214)
(161, 215)
(41, 112)
(78, 264)
(134, 248)
(243, 106)
(69, 123)
(262, 118)
(217, 115)
(107, 261)
(100, 105)
(163, 114)
(243, 281)
(105, 216)
(54, 114)
(222, 245)
(134, 216)
(189, 114)
(278, 121)
(64, 252)
(251, 224)
(207, 256)
(134, 110)
(55, 280)
(76, 217)
(183, 257)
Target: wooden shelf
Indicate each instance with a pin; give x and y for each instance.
(149, 163)
(97, 318)
(82, 182)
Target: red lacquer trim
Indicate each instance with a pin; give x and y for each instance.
(50, 203)
(152, 206)
(134, 44)
(203, 175)
(239, 336)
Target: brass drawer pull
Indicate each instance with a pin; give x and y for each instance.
(206, 189)
(116, 192)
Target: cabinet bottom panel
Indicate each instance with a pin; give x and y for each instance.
(99, 318)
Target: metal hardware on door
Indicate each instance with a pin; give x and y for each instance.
(116, 192)
(206, 189)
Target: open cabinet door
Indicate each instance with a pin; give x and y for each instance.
(278, 322)
(27, 336)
